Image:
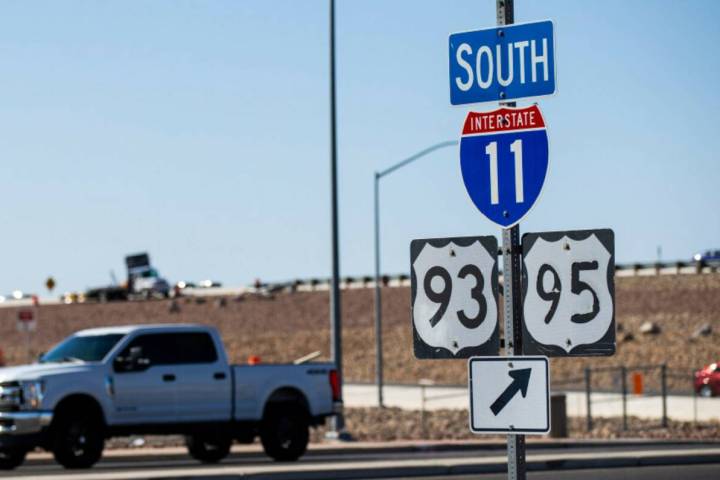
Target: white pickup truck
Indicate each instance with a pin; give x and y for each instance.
(157, 379)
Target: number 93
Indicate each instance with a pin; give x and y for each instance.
(443, 296)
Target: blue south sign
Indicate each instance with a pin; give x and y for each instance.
(502, 63)
(504, 161)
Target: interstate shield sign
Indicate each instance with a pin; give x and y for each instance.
(504, 161)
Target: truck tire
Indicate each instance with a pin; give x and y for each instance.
(208, 448)
(11, 458)
(78, 439)
(285, 432)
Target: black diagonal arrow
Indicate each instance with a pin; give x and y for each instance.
(521, 380)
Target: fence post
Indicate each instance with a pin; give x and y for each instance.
(623, 372)
(588, 392)
(694, 390)
(663, 379)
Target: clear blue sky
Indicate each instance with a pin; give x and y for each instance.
(198, 131)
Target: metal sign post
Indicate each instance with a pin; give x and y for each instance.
(512, 299)
(512, 303)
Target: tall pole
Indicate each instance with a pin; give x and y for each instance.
(337, 424)
(512, 300)
(378, 298)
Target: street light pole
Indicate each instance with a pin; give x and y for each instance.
(378, 298)
(378, 290)
(337, 423)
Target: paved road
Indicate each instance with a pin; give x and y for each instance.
(673, 472)
(348, 462)
(679, 407)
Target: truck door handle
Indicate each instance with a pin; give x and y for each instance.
(169, 377)
(219, 376)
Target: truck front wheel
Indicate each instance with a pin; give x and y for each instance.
(208, 449)
(11, 458)
(285, 432)
(78, 439)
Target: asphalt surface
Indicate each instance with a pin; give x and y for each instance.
(378, 462)
(672, 472)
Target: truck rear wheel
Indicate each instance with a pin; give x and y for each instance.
(208, 448)
(285, 432)
(78, 439)
(11, 458)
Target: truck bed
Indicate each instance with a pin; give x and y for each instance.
(254, 385)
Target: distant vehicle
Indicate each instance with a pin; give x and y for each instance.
(148, 282)
(70, 297)
(182, 284)
(209, 284)
(158, 379)
(15, 295)
(707, 381)
(143, 281)
(709, 257)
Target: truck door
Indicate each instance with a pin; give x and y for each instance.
(204, 384)
(144, 380)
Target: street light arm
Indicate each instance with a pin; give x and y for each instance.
(412, 158)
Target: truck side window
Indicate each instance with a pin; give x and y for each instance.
(175, 348)
(196, 347)
(157, 348)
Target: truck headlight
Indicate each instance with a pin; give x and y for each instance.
(33, 393)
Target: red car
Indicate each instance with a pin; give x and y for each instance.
(707, 380)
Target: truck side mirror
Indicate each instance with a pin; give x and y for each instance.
(132, 362)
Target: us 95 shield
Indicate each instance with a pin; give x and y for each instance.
(569, 293)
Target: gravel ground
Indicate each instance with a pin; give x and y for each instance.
(375, 424)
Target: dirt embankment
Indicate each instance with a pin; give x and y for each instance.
(293, 324)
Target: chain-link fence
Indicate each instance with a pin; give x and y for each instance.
(646, 391)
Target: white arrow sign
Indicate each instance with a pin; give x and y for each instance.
(509, 395)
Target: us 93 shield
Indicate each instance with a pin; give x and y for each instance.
(569, 293)
(454, 297)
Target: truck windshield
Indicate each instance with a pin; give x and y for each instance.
(150, 273)
(90, 348)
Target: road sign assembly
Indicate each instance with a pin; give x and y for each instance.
(509, 395)
(454, 297)
(502, 63)
(504, 161)
(569, 293)
(567, 305)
